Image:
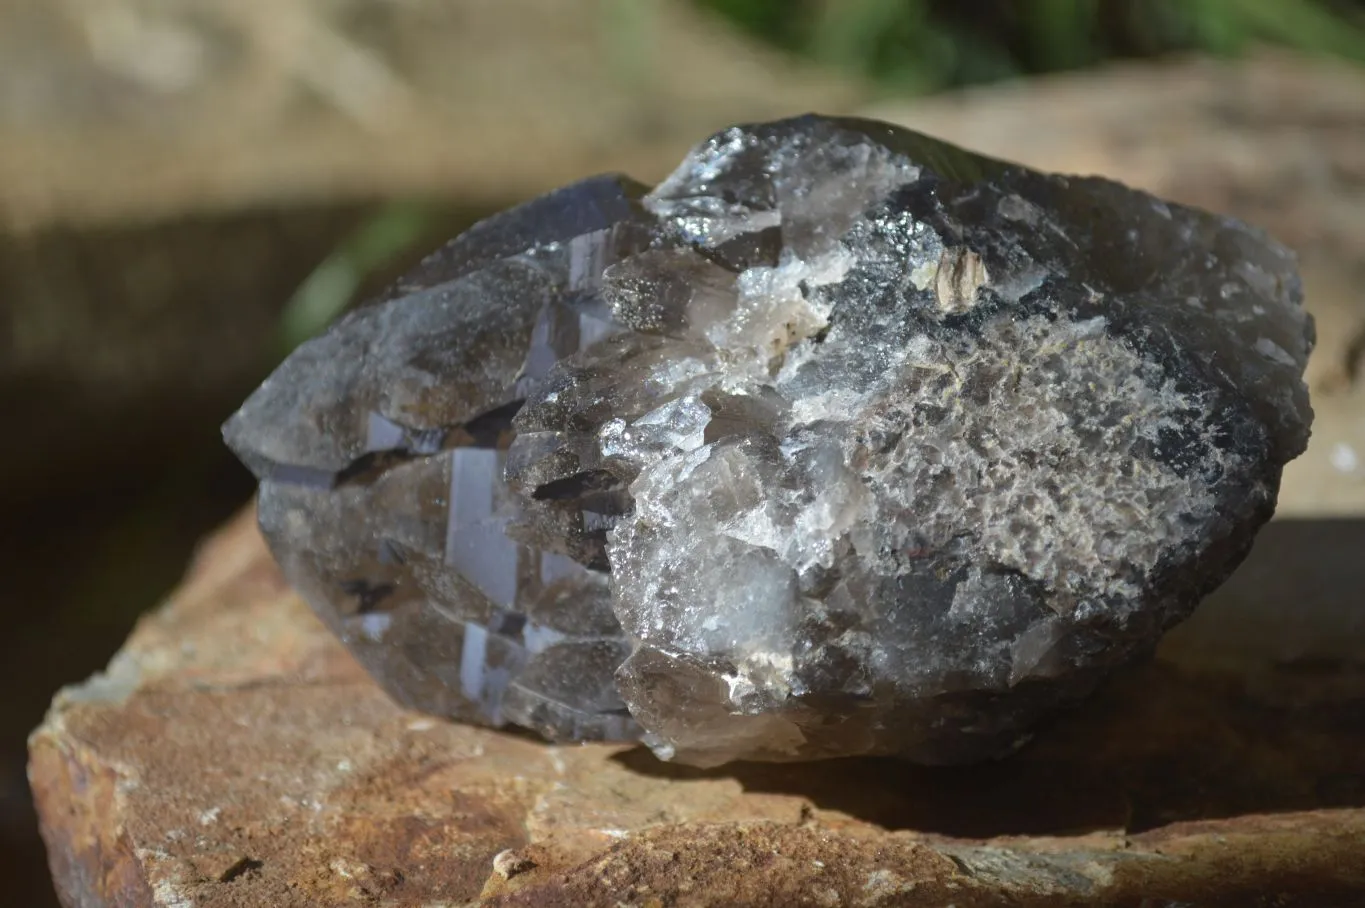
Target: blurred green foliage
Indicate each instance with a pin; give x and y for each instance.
(388, 235)
(926, 45)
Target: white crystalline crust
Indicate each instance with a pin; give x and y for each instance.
(1022, 476)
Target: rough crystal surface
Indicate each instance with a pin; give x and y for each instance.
(840, 440)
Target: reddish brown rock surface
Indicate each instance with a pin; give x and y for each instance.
(234, 754)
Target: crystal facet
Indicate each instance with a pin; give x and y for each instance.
(841, 440)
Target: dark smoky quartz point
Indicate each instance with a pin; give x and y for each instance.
(840, 440)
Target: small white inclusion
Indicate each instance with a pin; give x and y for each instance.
(1344, 458)
(374, 624)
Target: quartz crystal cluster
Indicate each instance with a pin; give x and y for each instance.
(841, 440)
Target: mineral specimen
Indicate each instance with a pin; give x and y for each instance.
(841, 440)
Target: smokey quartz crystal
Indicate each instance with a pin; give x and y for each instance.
(841, 440)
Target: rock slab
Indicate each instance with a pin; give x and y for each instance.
(234, 754)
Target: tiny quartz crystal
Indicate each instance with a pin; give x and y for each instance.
(840, 440)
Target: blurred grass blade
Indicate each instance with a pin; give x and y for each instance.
(1062, 32)
(1301, 24)
(332, 285)
(630, 27)
(848, 32)
(919, 45)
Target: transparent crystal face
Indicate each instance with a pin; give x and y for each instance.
(841, 440)
(382, 448)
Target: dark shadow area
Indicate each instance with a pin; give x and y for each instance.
(80, 567)
(1256, 706)
(130, 345)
